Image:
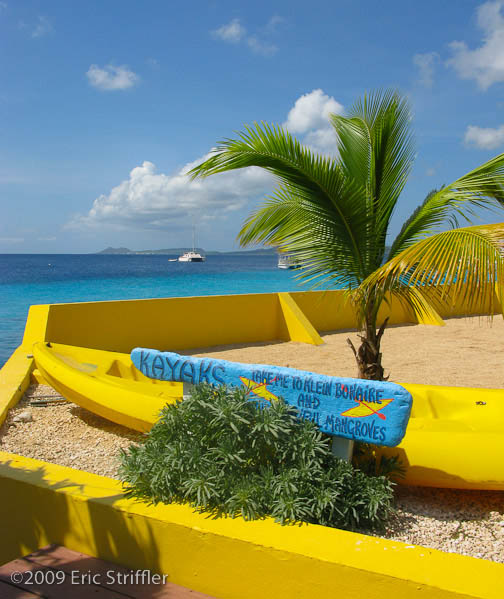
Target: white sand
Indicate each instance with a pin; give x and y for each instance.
(467, 352)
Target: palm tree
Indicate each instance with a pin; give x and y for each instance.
(333, 214)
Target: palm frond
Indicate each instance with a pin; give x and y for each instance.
(316, 208)
(377, 150)
(414, 214)
(388, 117)
(482, 187)
(354, 147)
(464, 265)
(307, 231)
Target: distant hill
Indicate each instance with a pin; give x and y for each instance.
(116, 251)
(178, 251)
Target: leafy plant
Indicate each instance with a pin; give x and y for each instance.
(333, 215)
(225, 454)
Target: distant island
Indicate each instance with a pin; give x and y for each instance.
(178, 251)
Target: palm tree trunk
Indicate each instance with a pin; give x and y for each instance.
(368, 356)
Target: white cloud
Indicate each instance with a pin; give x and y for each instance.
(233, 32)
(151, 200)
(111, 77)
(484, 138)
(311, 111)
(43, 27)
(157, 201)
(259, 47)
(310, 116)
(486, 63)
(46, 238)
(425, 63)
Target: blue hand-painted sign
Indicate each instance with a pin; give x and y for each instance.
(370, 411)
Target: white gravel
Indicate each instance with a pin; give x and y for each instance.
(452, 520)
(65, 434)
(465, 522)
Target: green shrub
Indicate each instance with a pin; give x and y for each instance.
(225, 454)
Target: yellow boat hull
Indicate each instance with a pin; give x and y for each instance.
(105, 383)
(454, 439)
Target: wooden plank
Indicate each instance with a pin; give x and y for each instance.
(108, 575)
(8, 591)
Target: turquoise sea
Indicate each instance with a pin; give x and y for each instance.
(27, 279)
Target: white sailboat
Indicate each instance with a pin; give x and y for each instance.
(192, 255)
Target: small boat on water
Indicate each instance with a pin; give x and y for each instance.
(192, 255)
(287, 261)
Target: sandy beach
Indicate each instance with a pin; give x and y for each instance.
(466, 352)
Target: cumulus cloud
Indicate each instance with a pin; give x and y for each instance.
(151, 200)
(310, 117)
(484, 138)
(111, 77)
(425, 64)
(485, 64)
(233, 32)
(311, 111)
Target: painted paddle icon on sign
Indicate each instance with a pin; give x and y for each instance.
(258, 389)
(365, 408)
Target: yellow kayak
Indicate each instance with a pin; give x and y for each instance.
(454, 438)
(105, 383)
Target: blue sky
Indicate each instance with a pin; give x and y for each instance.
(104, 104)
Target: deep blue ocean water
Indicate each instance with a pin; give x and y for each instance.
(27, 279)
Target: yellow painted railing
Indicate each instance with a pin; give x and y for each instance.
(223, 557)
(182, 323)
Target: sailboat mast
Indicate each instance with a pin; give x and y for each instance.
(193, 244)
